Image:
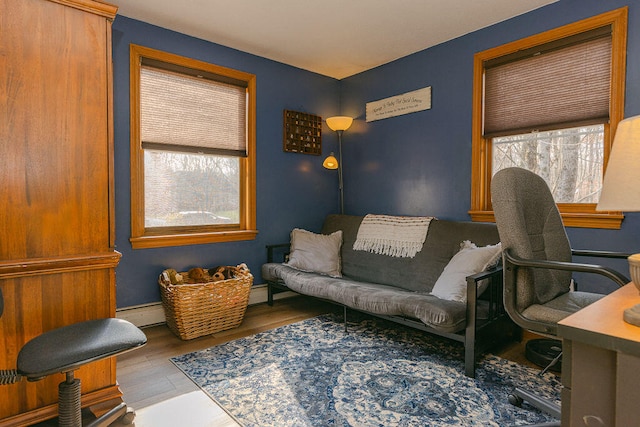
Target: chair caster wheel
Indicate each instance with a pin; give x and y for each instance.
(128, 417)
(515, 400)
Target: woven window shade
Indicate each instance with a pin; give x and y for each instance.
(564, 87)
(185, 113)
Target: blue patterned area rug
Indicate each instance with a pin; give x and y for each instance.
(378, 373)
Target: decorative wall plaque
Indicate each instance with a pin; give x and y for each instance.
(302, 133)
(410, 102)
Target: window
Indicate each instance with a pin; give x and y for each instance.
(192, 151)
(550, 103)
(570, 160)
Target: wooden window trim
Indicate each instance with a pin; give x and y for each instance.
(142, 237)
(574, 215)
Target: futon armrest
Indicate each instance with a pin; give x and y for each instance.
(282, 248)
(610, 273)
(485, 274)
(475, 324)
(493, 292)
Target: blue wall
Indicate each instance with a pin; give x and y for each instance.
(420, 163)
(293, 190)
(416, 164)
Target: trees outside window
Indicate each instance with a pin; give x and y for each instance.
(570, 160)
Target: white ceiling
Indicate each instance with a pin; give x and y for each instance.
(337, 38)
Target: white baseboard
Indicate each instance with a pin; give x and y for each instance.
(143, 315)
(153, 314)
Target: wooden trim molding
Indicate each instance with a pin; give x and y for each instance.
(36, 267)
(151, 241)
(574, 215)
(142, 237)
(99, 8)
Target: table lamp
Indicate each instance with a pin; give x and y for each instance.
(621, 190)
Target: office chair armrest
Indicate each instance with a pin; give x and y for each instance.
(610, 273)
(601, 254)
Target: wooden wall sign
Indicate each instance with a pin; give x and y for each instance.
(410, 102)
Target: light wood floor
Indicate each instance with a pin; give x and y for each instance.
(163, 396)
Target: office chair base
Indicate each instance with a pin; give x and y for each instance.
(549, 424)
(70, 408)
(518, 396)
(543, 352)
(121, 412)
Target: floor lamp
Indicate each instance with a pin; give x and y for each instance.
(621, 190)
(338, 124)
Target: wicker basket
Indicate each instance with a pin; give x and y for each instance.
(196, 309)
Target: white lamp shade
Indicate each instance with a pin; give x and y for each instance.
(621, 186)
(339, 122)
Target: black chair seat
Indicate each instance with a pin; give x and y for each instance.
(69, 347)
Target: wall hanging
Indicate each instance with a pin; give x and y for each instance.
(409, 102)
(302, 133)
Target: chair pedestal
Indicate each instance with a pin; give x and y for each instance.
(69, 402)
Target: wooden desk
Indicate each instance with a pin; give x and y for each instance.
(601, 363)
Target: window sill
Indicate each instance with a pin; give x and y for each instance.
(159, 241)
(606, 220)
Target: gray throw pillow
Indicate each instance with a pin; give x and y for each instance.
(316, 253)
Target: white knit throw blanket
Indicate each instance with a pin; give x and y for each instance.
(396, 236)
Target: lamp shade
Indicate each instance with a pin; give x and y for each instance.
(330, 162)
(621, 186)
(339, 122)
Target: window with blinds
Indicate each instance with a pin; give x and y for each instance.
(550, 103)
(180, 112)
(192, 151)
(558, 85)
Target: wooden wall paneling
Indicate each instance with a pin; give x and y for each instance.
(57, 257)
(54, 140)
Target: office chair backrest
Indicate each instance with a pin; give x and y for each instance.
(530, 227)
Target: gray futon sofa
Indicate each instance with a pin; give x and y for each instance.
(399, 288)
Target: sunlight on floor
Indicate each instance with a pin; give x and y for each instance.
(194, 409)
(266, 383)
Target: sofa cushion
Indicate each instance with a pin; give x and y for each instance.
(316, 253)
(415, 274)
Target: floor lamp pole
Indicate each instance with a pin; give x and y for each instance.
(340, 182)
(338, 124)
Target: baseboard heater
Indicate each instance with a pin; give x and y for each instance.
(153, 314)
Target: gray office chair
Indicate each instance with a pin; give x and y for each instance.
(66, 349)
(538, 261)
